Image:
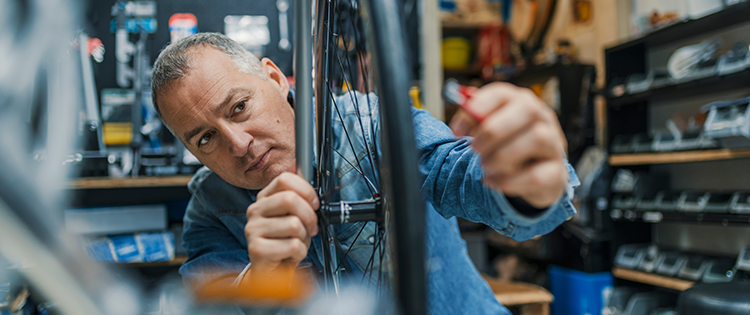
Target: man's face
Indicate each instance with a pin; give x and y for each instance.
(238, 125)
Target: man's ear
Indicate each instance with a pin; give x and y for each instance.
(275, 75)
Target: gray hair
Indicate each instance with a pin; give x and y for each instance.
(174, 61)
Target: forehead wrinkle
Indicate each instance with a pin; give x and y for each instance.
(214, 89)
(205, 98)
(188, 115)
(194, 111)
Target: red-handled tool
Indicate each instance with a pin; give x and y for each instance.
(460, 95)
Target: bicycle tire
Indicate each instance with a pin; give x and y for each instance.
(403, 205)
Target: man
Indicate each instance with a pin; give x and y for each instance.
(250, 214)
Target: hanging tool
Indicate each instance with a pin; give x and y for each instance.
(283, 6)
(93, 118)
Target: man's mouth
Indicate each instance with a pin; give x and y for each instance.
(260, 162)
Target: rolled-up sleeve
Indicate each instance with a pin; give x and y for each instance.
(453, 184)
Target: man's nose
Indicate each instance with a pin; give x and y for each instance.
(239, 140)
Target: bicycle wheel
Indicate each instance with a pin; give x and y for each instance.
(360, 56)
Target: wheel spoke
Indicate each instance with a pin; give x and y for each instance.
(350, 247)
(352, 95)
(369, 263)
(358, 170)
(325, 248)
(351, 144)
(365, 79)
(337, 188)
(382, 255)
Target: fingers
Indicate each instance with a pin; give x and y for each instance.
(282, 204)
(516, 117)
(492, 97)
(535, 145)
(281, 222)
(291, 182)
(277, 228)
(285, 195)
(463, 124)
(274, 251)
(483, 102)
(540, 185)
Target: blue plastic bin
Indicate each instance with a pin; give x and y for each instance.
(577, 292)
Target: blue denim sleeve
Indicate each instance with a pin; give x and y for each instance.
(453, 184)
(212, 250)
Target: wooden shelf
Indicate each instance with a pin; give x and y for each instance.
(177, 261)
(652, 279)
(471, 71)
(678, 157)
(518, 293)
(137, 182)
(450, 24)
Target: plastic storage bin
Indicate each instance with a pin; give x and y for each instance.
(694, 268)
(577, 292)
(692, 201)
(643, 303)
(630, 255)
(456, 53)
(648, 263)
(670, 263)
(618, 300)
(718, 202)
(669, 200)
(729, 122)
(740, 203)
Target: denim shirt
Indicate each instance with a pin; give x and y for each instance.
(215, 218)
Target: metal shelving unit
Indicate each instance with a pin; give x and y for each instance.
(704, 170)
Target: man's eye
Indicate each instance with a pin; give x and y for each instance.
(239, 108)
(204, 139)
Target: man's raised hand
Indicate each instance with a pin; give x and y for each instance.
(520, 142)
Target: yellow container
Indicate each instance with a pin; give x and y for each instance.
(456, 53)
(117, 133)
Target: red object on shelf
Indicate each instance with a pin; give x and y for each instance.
(182, 25)
(493, 49)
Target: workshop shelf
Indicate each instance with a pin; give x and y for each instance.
(136, 182)
(652, 279)
(678, 157)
